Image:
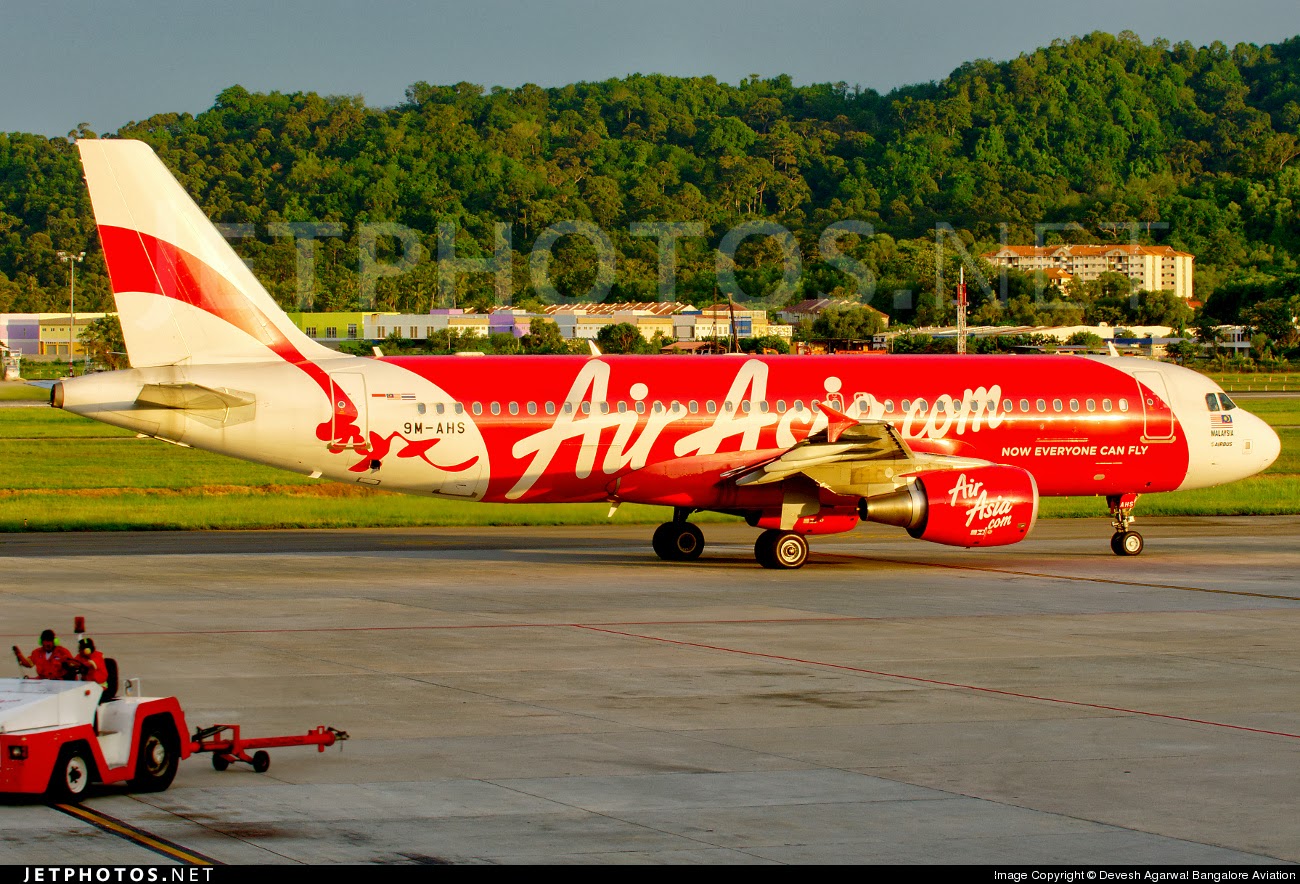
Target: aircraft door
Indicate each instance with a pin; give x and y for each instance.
(1157, 413)
(348, 404)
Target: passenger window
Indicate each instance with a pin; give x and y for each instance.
(744, 406)
(693, 407)
(640, 407)
(586, 408)
(727, 406)
(1091, 405)
(440, 408)
(514, 407)
(907, 405)
(460, 409)
(1105, 405)
(1041, 406)
(658, 407)
(1123, 405)
(419, 408)
(1212, 401)
(762, 406)
(798, 405)
(550, 408)
(816, 407)
(710, 407)
(496, 407)
(889, 406)
(568, 408)
(943, 406)
(676, 407)
(780, 406)
(1057, 405)
(1024, 405)
(922, 406)
(532, 408)
(476, 408)
(1074, 405)
(863, 407)
(604, 408)
(622, 408)
(1007, 405)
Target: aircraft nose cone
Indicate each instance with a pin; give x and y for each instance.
(1270, 446)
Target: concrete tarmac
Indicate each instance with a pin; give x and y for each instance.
(559, 695)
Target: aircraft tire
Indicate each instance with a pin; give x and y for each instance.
(662, 542)
(678, 542)
(781, 550)
(1131, 543)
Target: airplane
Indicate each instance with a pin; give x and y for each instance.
(956, 450)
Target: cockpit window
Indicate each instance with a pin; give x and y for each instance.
(1228, 404)
(1212, 401)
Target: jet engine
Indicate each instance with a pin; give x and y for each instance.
(981, 506)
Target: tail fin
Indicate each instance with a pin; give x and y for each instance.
(183, 296)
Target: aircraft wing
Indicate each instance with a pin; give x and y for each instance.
(863, 443)
(856, 457)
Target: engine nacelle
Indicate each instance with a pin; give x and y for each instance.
(982, 506)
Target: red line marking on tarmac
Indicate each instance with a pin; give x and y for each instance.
(938, 683)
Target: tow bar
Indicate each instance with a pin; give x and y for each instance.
(226, 750)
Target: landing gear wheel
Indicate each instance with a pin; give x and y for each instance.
(678, 542)
(219, 762)
(156, 761)
(1126, 543)
(782, 550)
(261, 761)
(71, 776)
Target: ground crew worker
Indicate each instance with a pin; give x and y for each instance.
(90, 663)
(48, 660)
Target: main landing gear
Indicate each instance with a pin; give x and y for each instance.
(1124, 542)
(681, 541)
(678, 540)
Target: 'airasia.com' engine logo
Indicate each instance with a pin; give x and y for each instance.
(995, 513)
(983, 506)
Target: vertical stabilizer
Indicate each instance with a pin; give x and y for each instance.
(183, 296)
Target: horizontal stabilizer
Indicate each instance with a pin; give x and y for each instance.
(192, 397)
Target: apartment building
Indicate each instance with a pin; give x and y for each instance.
(1152, 268)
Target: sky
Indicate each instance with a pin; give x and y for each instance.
(64, 62)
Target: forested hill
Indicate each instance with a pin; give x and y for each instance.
(1198, 147)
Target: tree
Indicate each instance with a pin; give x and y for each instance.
(621, 337)
(1274, 318)
(848, 324)
(1086, 339)
(103, 342)
(543, 337)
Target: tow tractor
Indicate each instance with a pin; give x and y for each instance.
(58, 737)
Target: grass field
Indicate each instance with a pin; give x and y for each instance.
(68, 473)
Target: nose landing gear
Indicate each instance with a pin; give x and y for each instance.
(1124, 542)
